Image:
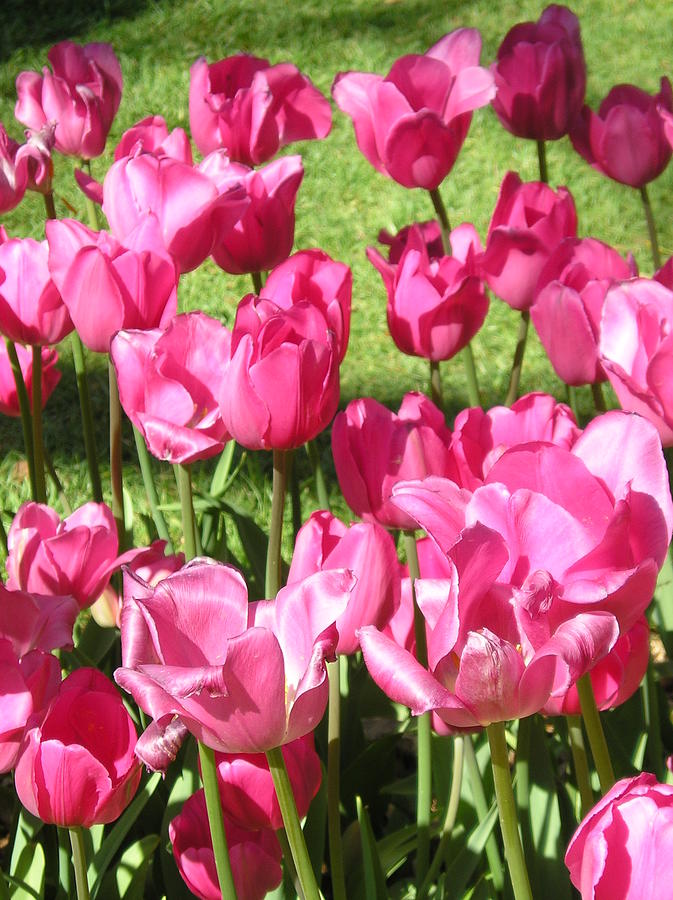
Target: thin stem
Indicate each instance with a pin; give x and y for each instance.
(523, 784)
(542, 161)
(91, 209)
(273, 559)
(295, 498)
(216, 821)
(289, 862)
(87, 417)
(184, 479)
(443, 216)
(24, 408)
(318, 474)
(599, 398)
(150, 489)
(517, 363)
(507, 812)
(572, 401)
(436, 393)
(655, 748)
(597, 742)
(51, 471)
(651, 227)
(292, 824)
(38, 445)
(79, 862)
(116, 455)
(481, 806)
(3, 537)
(580, 763)
(49, 206)
(333, 787)
(473, 394)
(257, 282)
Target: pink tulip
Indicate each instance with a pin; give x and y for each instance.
(622, 849)
(430, 232)
(281, 386)
(263, 236)
(76, 764)
(254, 855)
(151, 135)
(9, 401)
(81, 96)
(74, 556)
(169, 382)
(540, 76)
(135, 281)
(637, 350)
(435, 306)
(569, 302)
(248, 796)
(411, 124)
(626, 140)
(13, 172)
(31, 308)
(367, 550)
(374, 448)
(243, 678)
(529, 221)
(314, 276)
(251, 109)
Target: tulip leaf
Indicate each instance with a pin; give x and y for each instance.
(27, 864)
(315, 827)
(94, 642)
(468, 857)
(131, 870)
(186, 783)
(374, 880)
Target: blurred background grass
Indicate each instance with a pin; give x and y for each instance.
(343, 202)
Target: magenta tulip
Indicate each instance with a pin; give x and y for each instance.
(251, 109)
(169, 382)
(281, 386)
(411, 124)
(9, 401)
(626, 140)
(254, 855)
(540, 76)
(365, 549)
(76, 764)
(569, 302)
(637, 350)
(622, 849)
(81, 95)
(314, 276)
(435, 306)
(430, 232)
(243, 678)
(529, 221)
(151, 135)
(374, 448)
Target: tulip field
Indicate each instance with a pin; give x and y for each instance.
(336, 415)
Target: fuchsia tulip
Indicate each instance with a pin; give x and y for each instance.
(436, 305)
(540, 76)
(169, 382)
(314, 276)
(281, 386)
(529, 221)
(622, 849)
(263, 236)
(251, 109)
(243, 678)
(31, 308)
(254, 856)
(569, 302)
(9, 401)
(367, 550)
(626, 140)
(135, 281)
(151, 135)
(76, 764)
(430, 232)
(74, 556)
(374, 448)
(637, 350)
(411, 124)
(81, 96)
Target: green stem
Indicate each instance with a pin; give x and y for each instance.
(436, 394)
(655, 748)
(651, 227)
(481, 806)
(318, 474)
(79, 862)
(517, 363)
(581, 764)
(257, 282)
(64, 862)
(273, 558)
(38, 441)
(542, 161)
(597, 742)
(333, 788)
(289, 862)
(49, 206)
(150, 489)
(216, 821)
(87, 417)
(424, 794)
(599, 398)
(572, 401)
(295, 498)
(184, 479)
(91, 209)
(292, 824)
(3, 537)
(523, 784)
(507, 811)
(24, 408)
(473, 394)
(116, 456)
(51, 471)
(443, 216)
